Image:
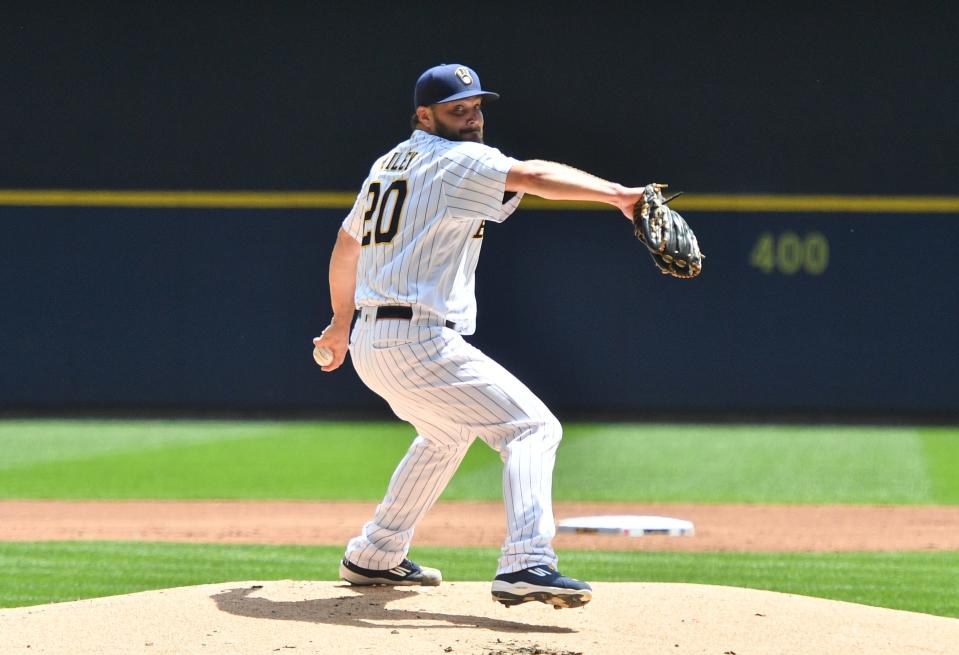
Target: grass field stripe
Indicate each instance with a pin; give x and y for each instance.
(43, 572)
(734, 203)
(597, 462)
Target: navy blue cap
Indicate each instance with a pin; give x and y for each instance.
(448, 82)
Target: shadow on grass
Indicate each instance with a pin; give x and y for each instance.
(362, 607)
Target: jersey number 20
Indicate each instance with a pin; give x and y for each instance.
(379, 200)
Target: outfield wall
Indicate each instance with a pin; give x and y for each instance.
(799, 310)
(214, 309)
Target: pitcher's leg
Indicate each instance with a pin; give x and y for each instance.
(511, 419)
(417, 482)
(521, 428)
(528, 460)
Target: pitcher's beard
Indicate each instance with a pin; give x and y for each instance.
(450, 134)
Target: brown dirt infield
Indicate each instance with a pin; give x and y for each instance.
(774, 528)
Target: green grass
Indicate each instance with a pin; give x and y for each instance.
(43, 572)
(941, 454)
(612, 462)
(736, 464)
(198, 459)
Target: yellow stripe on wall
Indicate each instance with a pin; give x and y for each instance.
(831, 203)
(344, 200)
(203, 199)
(735, 203)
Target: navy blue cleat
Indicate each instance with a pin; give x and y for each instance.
(543, 584)
(404, 574)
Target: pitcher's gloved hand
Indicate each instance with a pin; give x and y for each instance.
(664, 232)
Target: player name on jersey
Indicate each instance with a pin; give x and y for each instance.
(399, 161)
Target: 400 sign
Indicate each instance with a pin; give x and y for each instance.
(789, 253)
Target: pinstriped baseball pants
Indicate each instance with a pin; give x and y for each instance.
(452, 393)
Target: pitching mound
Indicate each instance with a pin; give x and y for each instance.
(324, 617)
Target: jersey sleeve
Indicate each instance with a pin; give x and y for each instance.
(510, 202)
(474, 182)
(353, 223)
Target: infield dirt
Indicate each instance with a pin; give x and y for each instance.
(776, 528)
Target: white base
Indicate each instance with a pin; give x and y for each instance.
(634, 526)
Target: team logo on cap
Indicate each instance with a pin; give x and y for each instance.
(464, 74)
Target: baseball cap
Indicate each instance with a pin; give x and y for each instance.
(448, 82)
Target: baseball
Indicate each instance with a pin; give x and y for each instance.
(323, 356)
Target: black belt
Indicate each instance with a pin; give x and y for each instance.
(401, 311)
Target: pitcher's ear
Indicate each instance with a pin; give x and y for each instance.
(425, 117)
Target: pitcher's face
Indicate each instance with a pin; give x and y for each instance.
(458, 120)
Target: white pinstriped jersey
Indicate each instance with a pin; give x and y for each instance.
(420, 218)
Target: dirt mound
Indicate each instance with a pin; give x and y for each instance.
(324, 617)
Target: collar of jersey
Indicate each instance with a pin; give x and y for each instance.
(419, 135)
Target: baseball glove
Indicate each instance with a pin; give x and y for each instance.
(670, 240)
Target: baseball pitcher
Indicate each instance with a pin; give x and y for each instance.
(404, 266)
